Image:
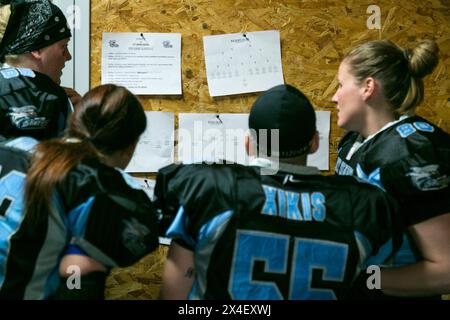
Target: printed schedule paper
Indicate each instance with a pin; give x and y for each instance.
(243, 62)
(219, 137)
(144, 63)
(212, 137)
(320, 158)
(155, 148)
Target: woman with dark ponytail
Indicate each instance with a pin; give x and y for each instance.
(380, 87)
(81, 206)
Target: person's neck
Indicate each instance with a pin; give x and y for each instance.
(23, 63)
(296, 161)
(115, 160)
(377, 119)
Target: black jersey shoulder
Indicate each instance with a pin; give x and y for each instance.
(13, 159)
(412, 137)
(30, 104)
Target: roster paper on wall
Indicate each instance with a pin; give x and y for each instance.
(148, 185)
(243, 62)
(145, 63)
(220, 138)
(212, 137)
(155, 148)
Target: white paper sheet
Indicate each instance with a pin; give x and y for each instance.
(243, 62)
(155, 147)
(321, 157)
(212, 137)
(145, 63)
(202, 137)
(149, 187)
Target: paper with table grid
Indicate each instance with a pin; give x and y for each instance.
(243, 62)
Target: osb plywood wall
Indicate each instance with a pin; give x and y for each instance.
(314, 37)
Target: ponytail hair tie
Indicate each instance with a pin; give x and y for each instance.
(72, 140)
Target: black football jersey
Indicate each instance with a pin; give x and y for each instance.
(31, 104)
(411, 161)
(292, 235)
(97, 208)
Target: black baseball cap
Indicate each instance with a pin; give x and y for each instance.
(287, 109)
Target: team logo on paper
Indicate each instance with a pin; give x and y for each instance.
(113, 44)
(167, 44)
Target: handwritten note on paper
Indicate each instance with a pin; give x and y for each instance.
(243, 62)
(145, 63)
(212, 137)
(156, 145)
(320, 158)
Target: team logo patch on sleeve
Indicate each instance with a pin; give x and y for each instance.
(405, 130)
(423, 126)
(428, 178)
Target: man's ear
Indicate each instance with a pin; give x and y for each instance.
(250, 145)
(314, 143)
(36, 54)
(368, 87)
(247, 143)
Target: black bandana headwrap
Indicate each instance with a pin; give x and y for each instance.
(33, 25)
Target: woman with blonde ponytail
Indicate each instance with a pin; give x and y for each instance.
(83, 214)
(380, 87)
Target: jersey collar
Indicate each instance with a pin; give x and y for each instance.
(360, 141)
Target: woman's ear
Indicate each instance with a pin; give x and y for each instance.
(368, 87)
(314, 143)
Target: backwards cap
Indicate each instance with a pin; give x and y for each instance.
(287, 109)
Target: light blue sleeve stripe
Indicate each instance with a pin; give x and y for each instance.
(78, 217)
(364, 246)
(178, 228)
(404, 255)
(373, 178)
(210, 229)
(382, 255)
(23, 143)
